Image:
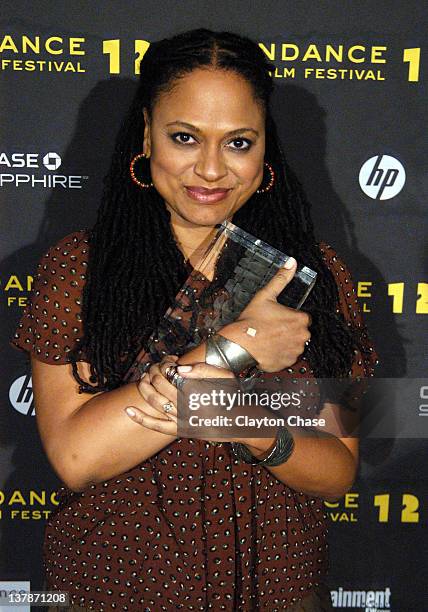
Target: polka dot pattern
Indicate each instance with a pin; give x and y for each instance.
(51, 323)
(191, 528)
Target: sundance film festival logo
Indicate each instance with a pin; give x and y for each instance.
(29, 169)
(21, 395)
(382, 177)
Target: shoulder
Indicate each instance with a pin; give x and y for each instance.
(51, 324)
(61, 271)
(335, 264)
(347, 294)
(331, 257)
(366, 357)
(71, 248)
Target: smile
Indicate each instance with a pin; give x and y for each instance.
(210, 196)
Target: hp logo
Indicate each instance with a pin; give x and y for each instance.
(382, 177)
(52, 161)
(21, 395)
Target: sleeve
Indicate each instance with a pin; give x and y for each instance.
(51, 324)
(365, 356)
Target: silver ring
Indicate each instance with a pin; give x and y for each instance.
(170, 371)
(178, 380)
(174, 377)
(168, 407)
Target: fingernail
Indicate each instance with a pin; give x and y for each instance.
(290, 263)
(184, 368)
(130, 412)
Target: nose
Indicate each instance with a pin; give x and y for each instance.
(210, 165)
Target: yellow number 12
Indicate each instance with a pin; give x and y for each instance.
(112, 48)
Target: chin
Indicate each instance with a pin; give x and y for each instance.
(207, 215)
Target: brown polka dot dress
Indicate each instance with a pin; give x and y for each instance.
(191, 528)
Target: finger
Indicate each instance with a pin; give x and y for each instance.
(281, 279)
(143, 383)
(164, 365)
(167, 391)
(204, 370)
(135, 414)
(308, 318)
(157, 400)
(156, 378)
(155, 368)
(141, 416)
(170, 358)
(168, 384)
(168, 427)
(149, 410)
(162, 404)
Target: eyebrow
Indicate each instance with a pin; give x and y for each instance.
(195, 129)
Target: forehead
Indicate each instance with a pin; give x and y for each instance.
(207, 97)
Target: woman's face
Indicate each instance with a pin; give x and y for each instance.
(207, 133)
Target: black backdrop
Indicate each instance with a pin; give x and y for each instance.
(351, 89)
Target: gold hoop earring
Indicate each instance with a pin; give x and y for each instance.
(132, 172)
(271, 180)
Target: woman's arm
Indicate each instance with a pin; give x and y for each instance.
(323, 463)
(89, 440)
(323, 466)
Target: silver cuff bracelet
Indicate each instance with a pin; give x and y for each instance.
(224, 353)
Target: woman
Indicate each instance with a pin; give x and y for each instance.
(148, 520)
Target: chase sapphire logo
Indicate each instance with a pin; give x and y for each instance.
(52, 161)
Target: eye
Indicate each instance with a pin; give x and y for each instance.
(181, 137)
(243, 144)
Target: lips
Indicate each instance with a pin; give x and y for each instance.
(201, 194)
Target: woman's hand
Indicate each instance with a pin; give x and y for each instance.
(157, 391)
(281, 332)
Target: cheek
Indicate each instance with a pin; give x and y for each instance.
(249, 169)
(166, 165)
(250, 172)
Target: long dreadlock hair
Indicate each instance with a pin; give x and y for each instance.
(135, 267)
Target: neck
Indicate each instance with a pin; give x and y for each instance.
(192, 240)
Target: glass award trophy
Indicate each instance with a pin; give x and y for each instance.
(233, 268)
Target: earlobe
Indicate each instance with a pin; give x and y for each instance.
(146, 144)
(146, 147)
(147, 138)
